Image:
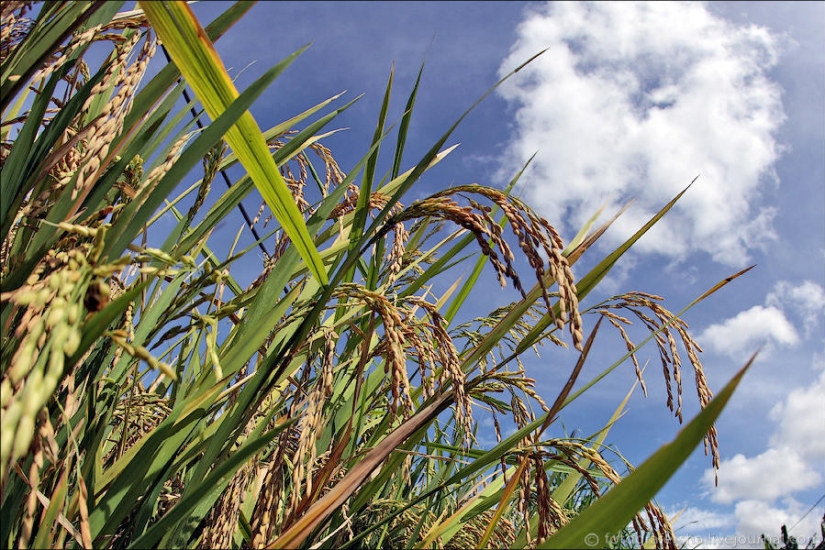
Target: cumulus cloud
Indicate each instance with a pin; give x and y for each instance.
(767, 476)
(744, 526)
(762, 486)
(756, 518)
(769, 325)
(806, 300)
(698, 528)
(694, 520)
(634, 100)
(800, 420)
(748, 330)
(793, 460)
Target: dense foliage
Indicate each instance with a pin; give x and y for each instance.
(150, 399)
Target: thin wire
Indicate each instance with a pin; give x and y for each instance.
(808, 512)
(223, 172)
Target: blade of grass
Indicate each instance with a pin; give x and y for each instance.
(362, 206)
(404, 126)
(198, 61)
(611, 513)
(151, 94)
(137, 212)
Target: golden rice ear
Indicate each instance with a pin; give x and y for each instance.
(221, 523)
(312, 420)
(536, 237)
(395, 358)
(663, 322)
(84, 152)
(575, 454)
(449, 364)
(550, 514)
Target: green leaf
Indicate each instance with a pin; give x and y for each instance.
(138, 211)
(199, 63)
(362, 207)
(405, 124)
(203, 495)
(611, 513)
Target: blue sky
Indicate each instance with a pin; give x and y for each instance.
(629, 101)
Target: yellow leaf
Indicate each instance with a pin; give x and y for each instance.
(195, 56)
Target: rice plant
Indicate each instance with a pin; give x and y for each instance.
(152, 398)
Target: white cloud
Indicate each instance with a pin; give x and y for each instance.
(775, 473)
(762, 487)
(625, 103)
(756, 518)
(795, 456)
(743, 334)
(768, 325)
(806, 300)
(696, 520)
(801, 422)
(752, 519)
